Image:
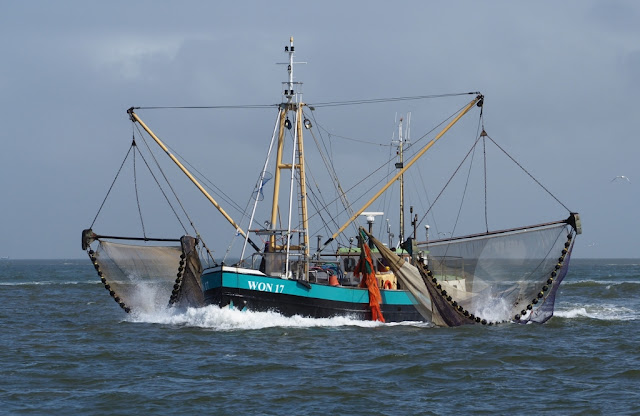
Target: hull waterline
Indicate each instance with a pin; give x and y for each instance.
(249, 289)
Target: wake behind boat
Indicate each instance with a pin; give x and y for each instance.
(483, 278)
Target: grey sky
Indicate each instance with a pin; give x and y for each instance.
(560, 80)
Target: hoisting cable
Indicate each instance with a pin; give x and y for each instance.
(484, 151)
(483, 134)
(464, 191)
(135, 184)
(530, 175)
(175, 195)
(134, 117)
(111, 187)
(161, 189)
(449, 181)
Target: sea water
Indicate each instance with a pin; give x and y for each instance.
(67, 348)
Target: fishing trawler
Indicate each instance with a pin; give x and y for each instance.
(366, 281)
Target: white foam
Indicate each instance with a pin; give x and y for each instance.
(225, 319)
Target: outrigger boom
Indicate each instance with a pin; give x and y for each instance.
(134, 117)
(476, 101)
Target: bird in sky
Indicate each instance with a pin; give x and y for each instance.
(621, 177)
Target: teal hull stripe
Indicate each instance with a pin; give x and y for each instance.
(217, 279)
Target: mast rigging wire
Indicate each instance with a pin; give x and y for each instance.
(110, 188)
(135, 184)
(356, 185)
(527, 172)
(175, 195)
(321, 104)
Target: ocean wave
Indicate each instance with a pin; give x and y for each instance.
(45, 283)
(601, 312)
(602, 282)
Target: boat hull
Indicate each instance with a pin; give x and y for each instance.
(249, 289)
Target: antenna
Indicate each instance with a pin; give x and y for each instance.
(291, 87)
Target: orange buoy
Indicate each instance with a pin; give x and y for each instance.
(333, 280)
(387, 284)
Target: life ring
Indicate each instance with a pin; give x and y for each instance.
(387, 284)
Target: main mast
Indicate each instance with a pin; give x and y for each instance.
(290, 104)
(400, 165)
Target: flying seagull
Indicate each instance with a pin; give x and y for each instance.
(621, 177)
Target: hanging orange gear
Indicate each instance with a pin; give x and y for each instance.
(365, 267)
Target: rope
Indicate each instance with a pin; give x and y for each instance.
(328, 162)
(483, 134)
(426, 194)
(464, 192)
(175, 195)
(321, 127)
(484, 152)
(135, 184)
(530, 175)
(162, 190)
(205, 107)
(357, 185)
(325, 104)
(386, 100)
(111, 187)
(449, 181)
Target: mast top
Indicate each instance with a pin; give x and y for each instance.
(292, 89)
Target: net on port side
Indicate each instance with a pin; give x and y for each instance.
(147, 278)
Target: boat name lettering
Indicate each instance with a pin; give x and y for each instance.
(265, 287)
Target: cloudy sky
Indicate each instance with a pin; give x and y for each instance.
(560, 80)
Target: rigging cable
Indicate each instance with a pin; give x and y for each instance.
(449, 181)
(175, 195)
(162, 190)
(356, 185)
(207, 107)
(111, 187)
(317, 199)
(332, 172)
(320, 127)
(325, 104)
(426, 195)
(484, 151)
(328, 104)
(386, 100)
(464, 191)
(135, 184)
(530, 175)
